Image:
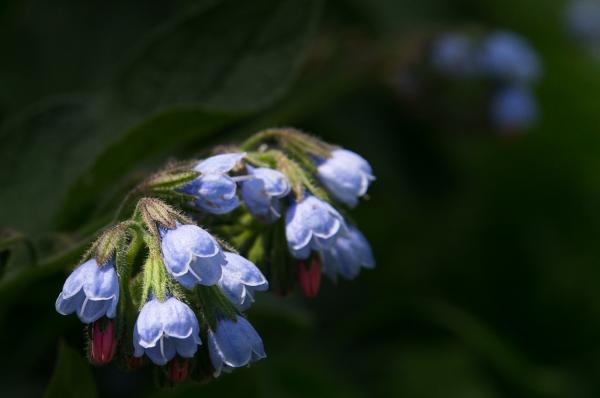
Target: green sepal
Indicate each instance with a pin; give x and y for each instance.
(107, 244)
(156, 212)
(170, 180)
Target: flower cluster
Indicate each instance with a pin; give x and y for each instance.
(160, 286)
(504, 59)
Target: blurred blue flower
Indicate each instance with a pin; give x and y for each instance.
(164, 329)
(214, 190)
(514, 109)
(234, 344)
(507, 56)
(350, 252)
(263, 191)
(346, 175)
(311, 224)
(91, 291)
(454, 54)
(192, 256)
(582, 18)
(240, 279)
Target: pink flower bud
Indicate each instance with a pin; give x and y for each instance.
(103, 343)
(309, 278)
(178, 369)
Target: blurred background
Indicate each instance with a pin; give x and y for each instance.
(483, 219)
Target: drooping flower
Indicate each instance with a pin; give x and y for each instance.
(311, 224)
(192, 256)
(350, 252)
(91, 291)
(506, 56)
(346, 175)
(513, 109)
(454, 54)
(103, 342)
(164, 329)
(240, 279)
(214, 190)
(233, 344)
(309, 277)
(263, 191)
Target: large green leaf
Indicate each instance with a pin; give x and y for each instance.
(43, 152)
(226, 56)
(72, 376)
(231, 56)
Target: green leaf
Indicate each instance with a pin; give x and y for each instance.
(234, 56)
(43, 151)
(231, 56)
(72, 376)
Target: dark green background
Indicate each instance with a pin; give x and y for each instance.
(487, 257)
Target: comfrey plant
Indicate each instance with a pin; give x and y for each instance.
(158, 287)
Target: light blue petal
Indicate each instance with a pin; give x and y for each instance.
(275, 182)
(149, 324)
(312, 224)
(138, 350)
(79, 277)
(297, 234)
(111, 312)
(162, 352)
(187, 347)
(232, 344)
(178, 320)
(361, 248)
(102, 282)
(66, 306)
(215, 354)
(217, 194)
(262, 191)
(239, 279)
(350, 252)
(240, 268)
(252, 337)
(256, 198)
(179, 245)
(216, 188)
(192, 256)
(188, 280)
(219, 164)
(92, 310)
(207, 270)
(346, 175)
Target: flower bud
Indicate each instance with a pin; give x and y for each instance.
(103, 342)
(309, 277)
(178, 369)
